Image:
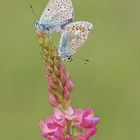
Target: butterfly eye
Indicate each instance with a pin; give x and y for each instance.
(69, 58)
(36, 23)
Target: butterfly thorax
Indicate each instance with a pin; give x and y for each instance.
(66, 23)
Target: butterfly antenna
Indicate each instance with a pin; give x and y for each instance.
(85, 60)
(33, 11)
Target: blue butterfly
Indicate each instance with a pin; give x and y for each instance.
(55, 16)
(73, 37)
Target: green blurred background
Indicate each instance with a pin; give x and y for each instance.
(110, 83)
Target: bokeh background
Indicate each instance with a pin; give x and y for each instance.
(110, 83)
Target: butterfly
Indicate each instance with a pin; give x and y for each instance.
(73, 37)
(55, 16)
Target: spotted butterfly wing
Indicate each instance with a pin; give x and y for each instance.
(73, 37)
(56, 14)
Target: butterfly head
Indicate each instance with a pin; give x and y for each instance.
(41, 27)
(36, 23)
(67, 58)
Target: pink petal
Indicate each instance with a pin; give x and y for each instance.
(53, 100)
(58, 114)
(62, 74)
(54, 78)
(58, 133)
(70, 110)
(95, 121)
(82, 137)
(69, 85)
(87, 112)
(56, 70)
(61, 68)
(45, 130)
(90, 132)
(60, 86)
(67, 138)
(67, 75)
(66, 93)
(50, 89)
(77, 115)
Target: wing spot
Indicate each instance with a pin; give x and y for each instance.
(73, 27)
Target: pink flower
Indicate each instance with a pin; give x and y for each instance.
(85, 118)
(88, 119)
(66, 115)
(67, 138)
(87, 135)
(51, 129)
(59, 126)
(86, 122)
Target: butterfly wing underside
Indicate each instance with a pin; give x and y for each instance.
(73, 37)
(58, 12)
